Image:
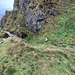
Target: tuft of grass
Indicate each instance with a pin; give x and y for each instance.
(18, 57)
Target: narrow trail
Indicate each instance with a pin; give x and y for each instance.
(63, 44)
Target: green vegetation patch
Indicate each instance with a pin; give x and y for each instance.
(18, 57)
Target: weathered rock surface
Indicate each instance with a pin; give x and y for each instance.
(16, 5)
(32, 13)
(35, 21)
(4, 19)
(23, 4)
(35, 17)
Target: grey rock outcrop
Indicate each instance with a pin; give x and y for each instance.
(4, 18)
(31, 12)
(23, 5)
(35, 21)
(16, 5)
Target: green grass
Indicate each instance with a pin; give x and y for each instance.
(60, 29)
(37, 57)
(19, 58)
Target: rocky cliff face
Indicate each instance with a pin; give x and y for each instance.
(34, 18)
(33, 13)
(16, 5)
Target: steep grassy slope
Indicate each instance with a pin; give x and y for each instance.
(60, 29)
(37, 56)
(20, 58)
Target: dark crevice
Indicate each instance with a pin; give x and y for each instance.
(53, 14)
(6, 36)
(19, 34)
(39, 20)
